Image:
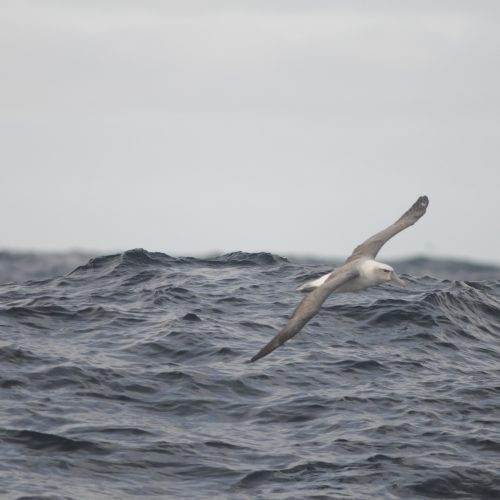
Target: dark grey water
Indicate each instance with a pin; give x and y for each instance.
(126, 378)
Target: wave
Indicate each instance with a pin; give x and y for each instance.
(131, 366)
(35, 440)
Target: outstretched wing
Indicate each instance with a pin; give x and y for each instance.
(308, 308)
(371, 246)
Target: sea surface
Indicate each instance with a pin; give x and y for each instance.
(124, 376)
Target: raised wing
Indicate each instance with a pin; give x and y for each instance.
(307, 309)
(371, 246)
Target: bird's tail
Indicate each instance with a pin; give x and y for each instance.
(313, 284)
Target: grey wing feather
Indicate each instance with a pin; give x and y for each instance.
(372, 246)
(307, 309)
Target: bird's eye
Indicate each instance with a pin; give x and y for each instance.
(387, 270)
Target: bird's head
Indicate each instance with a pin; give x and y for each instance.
(385, 273)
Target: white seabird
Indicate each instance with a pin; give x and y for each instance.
(359, 271)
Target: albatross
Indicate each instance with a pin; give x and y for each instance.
(358, 272)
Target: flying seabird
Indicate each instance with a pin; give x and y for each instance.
(359, 271)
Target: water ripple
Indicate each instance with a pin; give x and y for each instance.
(126, 378)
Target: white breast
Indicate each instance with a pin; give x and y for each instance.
(366, 279)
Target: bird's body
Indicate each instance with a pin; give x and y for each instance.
(360, 271)
(368, 275)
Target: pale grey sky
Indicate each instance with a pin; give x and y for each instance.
(285, 126)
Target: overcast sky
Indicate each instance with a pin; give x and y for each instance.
(296, 127)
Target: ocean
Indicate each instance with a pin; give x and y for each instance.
(125, 376)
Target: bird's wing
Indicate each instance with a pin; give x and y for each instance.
(308, 308)
(371, 246)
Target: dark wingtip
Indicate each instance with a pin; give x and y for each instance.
(423, 201)
(268, 348)
(419, 207)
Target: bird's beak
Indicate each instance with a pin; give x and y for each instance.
(398, 280)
